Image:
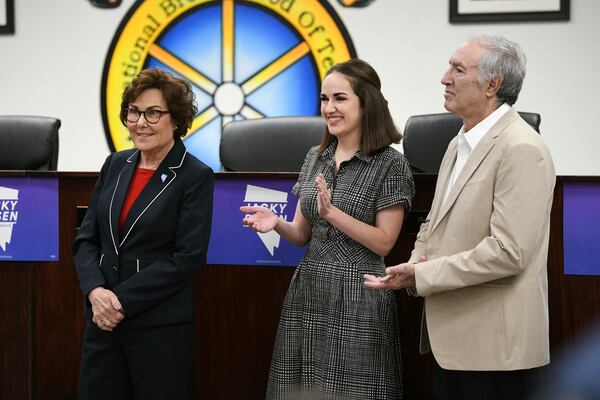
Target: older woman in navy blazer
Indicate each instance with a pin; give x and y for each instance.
(139, 248)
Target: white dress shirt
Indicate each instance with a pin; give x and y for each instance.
(468, 140)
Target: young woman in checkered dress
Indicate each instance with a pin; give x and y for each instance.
(338, 339)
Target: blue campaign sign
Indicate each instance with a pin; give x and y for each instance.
(28, 219)
(233, 243)
(581, 228)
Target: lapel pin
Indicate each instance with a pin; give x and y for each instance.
(163, 177)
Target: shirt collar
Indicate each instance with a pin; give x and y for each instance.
(478, 131)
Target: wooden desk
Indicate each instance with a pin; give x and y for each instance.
(41, 322)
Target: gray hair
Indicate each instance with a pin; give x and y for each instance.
(505, 59)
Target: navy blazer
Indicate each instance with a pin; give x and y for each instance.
(152, 264)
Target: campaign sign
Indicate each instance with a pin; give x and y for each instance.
(581, 228)
(28, 219)
(233, 243)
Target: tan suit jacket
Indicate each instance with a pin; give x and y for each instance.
(485, 281)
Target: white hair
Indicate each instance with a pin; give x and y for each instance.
(505, 59)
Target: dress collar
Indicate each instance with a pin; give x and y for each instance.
(328, 155)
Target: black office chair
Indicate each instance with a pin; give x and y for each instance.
(426, 138)
(276, 144)
(28, 142)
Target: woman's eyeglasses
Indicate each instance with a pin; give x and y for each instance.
(151, 115)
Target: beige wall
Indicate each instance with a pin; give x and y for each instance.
(53, 66)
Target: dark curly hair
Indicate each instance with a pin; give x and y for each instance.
(176, 91)
(378, 128)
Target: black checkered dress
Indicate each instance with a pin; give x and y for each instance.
(338, 339)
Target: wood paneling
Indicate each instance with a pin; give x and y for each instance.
(15, 330)
(238, 312)
(58, 303)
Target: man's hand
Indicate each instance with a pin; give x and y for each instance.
(396, 277)
(106, 307)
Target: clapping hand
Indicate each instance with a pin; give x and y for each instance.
(324, 205)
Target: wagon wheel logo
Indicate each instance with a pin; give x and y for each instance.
(245, 59)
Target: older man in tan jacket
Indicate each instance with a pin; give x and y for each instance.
(480, 257)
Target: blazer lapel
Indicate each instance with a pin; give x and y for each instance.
(443, 177)
(164, 175)
(475, 158)
(118, 197)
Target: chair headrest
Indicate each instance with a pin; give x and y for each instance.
(277, 144)
(28, 143)
(426, 138)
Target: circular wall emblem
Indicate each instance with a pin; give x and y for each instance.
(245, 59)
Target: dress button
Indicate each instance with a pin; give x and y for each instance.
(115, 269)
